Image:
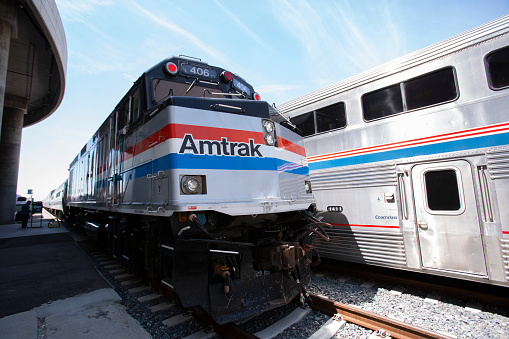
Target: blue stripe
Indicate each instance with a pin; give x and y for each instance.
(189, 161)
(138, 171)
(304, 170)
(291, 167)
(443, 147)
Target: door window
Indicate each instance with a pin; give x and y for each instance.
(442, 191)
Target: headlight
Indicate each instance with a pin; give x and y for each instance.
(269, 132)
(269, 140)
(192, 184)
(269, 126)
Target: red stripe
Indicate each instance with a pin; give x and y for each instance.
(171, 131)
(505, 232)
(290, 146)
(214, 133)
(380, 226)
(441, 137)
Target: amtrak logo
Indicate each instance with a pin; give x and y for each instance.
(223, 147)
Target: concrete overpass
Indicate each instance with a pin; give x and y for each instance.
(33, 63)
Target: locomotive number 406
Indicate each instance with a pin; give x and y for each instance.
(199, 71)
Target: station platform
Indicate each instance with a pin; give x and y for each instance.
(50, 289)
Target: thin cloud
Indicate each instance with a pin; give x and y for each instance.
(91, 65)
(160, 20)
(369, 44)
(278, 92)
(74, 10)
(304, 24)
(276, 88)
(336, 41)
(243, 26)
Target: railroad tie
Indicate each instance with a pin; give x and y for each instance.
(279, 326)
(161, 307)
(329, 329)
(149, 297)
(432, 298)
(112, 266)
(139, 289)
(473, 307)
(130, 282)
(203, 334)
(124, 276)
(178, 319)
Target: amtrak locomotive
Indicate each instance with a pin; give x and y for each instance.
(196, 181)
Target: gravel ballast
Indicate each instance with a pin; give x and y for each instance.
(457, 318)
(445, 315)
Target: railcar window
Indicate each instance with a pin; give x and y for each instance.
(430, 89)
(497, 64)
(305, 123)
(382, 103)
(331, 117)
(442, 190)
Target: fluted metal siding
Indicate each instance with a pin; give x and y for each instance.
(498, 164)
(504, 244)
(381, 248)
(352, 177)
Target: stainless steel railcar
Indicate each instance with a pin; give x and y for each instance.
(55, 201)
(194, 180)
(410, 161)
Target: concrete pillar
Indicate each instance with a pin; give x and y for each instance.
(5, 42)
(10, 147)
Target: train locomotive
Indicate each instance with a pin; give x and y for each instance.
(195, 181)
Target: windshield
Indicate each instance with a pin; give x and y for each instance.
(164, 88)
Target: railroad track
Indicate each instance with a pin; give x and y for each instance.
(485, 294)
(150, 301)
(384, 326)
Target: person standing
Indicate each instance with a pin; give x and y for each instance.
(25, 214)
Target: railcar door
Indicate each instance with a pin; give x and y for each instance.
(447, 218)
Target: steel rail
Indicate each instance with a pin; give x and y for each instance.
(396, 328)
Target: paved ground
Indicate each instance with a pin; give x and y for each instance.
(48, 286)
(42, 268)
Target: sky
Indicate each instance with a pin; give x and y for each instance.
(284, 48)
